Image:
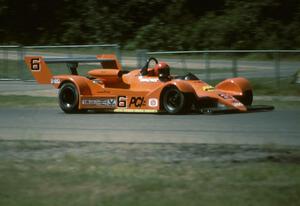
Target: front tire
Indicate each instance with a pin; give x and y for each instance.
(246, 98)
(68, 98)
(175, 102)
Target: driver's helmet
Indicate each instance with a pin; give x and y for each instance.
(162, 69)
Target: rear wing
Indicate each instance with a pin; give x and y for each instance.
(38, 67)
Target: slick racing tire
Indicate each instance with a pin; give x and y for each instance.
(246, 98)
(175, 102)
(68, 98)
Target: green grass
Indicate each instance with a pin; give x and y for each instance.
(230, 56)
(57, 69)
(73, 51)
(62, 173)
(10, 69)
(269, 86)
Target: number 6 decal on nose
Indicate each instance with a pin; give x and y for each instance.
(35, 65)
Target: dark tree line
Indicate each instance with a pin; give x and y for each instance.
(155, 24)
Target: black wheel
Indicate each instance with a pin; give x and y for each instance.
(68, 98)
(246, 98)
(175, 102)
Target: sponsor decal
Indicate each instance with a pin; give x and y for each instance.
(55, 81)
(137, 101)
(97, 81)
(225, 96)
(100, 102)
(237, 104)
(136, 110)
(208, 88)
(153, 102)
(147, 79)
(122, 101)
(35, 64)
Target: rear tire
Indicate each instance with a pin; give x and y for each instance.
(68, 98)
(176, 102)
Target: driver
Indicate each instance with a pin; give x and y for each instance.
(162, 70)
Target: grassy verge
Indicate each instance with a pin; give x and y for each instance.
(268, 86)
(227, 56)
(62, 173)
(10, 69)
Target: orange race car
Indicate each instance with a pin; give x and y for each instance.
(147, 89)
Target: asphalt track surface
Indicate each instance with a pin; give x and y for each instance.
(51, 124)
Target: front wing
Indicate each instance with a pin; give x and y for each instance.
(223, 110)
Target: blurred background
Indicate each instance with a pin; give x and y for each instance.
(214, 39)
(154, 25)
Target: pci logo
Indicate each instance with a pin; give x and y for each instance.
(137, 102)
(35, 64)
